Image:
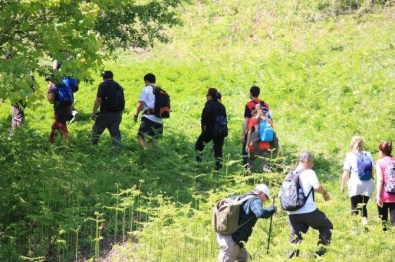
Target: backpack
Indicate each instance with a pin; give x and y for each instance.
(292, 196)
(162, 103)
(226, 215)
(389, 186)
(114, 99)
(264, 106)
(266, 132)
(365, 166)
(64, 95)
(72, 83)
(220, 125)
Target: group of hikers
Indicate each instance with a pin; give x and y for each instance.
(259, 142)
(299, 201)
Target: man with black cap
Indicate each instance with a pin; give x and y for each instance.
(232, 246)
(111, 101)
(309, 215)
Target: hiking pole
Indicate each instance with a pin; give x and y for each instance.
(270, 229)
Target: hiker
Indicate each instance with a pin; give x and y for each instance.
(309, 215)
(62, 102)
(358, 171)
(111, 101)
(18, 107)
(254, 146)
(232, 246)
(68, 80)
(212, 109)
(151, 127)
(385, 200)
(254, 94)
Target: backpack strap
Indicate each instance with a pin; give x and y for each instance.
(239, 202)
(311, 190)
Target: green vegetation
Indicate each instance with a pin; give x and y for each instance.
(325, 67)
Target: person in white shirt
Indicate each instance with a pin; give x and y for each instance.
(151, 126)
(309, 215)
(359, 190)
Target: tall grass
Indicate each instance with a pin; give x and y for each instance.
(325, 67)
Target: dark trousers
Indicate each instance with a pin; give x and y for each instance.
(218, 142)
(111, 121)
(359, 203)
(383, 213)
(300, 223)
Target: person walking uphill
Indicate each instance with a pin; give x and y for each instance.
(62, 99)
(358, 170)
(214, 127)
(232, 246)
(254, 94)
(111, 101)
(151, 127)
(385, 196)
(309, 215)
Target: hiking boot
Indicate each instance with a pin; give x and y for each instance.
(320, 252)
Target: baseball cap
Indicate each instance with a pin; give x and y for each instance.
(263, 188)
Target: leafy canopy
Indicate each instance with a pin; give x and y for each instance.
(78, 33)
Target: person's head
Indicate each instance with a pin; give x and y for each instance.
(262, 191)
(107, 75)
(212, 94)
(56, 65)
(385, 148)
(254, 91)
(150, 78)
(306, 160)
(356, 144)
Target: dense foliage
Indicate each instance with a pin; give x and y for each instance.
(325, 67)
(77, 33)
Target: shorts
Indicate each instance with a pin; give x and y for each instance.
(150, 129)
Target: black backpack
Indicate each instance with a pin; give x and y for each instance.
(114, 98)
(220, 125)
(292, 196)
(162, 102)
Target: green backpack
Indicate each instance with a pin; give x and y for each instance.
(226, 215)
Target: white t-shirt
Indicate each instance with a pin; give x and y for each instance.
(147, 96)
(308, 180)
(355, 185)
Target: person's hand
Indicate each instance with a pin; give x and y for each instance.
(135, 117)
(93, 116)
(273, 209)
(379, 201)
(326, 196)
(247, 149)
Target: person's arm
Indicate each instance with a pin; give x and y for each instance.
(51, 97)
(320, 189)
(248, 141)
(259, 211)
(139, 108)
(379, 186)
(96, 106)
(244, 128)
(346, 175)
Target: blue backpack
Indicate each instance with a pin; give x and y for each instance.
(72, 83)
(365, 166)
(64, 95)
(266, 132)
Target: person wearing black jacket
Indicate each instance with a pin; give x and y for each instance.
(211, 110)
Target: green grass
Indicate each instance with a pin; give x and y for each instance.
(325, 67)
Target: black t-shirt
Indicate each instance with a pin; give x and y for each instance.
(103, 90)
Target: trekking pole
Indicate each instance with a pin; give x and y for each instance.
(270, 230)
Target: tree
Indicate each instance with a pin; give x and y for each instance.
(78, 33)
